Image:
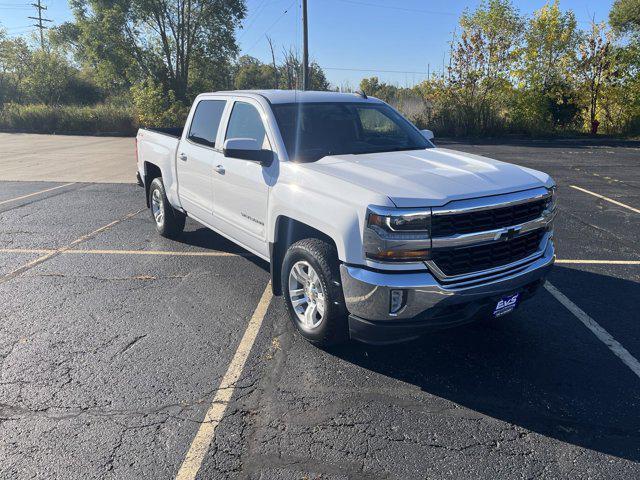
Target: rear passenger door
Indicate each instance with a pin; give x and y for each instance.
(198, 153)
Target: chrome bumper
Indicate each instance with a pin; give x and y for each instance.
(428, 302)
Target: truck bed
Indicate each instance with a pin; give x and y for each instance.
(158, 147)
(171, 131)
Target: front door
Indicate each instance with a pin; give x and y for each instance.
(197, 156)
(242, 186)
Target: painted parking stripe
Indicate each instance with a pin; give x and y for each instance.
(36, 193)
(201, 442)
(616, 348)
(53, 253)
(610, 200)
(598, 262)
(127, 252)
(247, 254)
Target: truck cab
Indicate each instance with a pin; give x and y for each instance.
(371, 231)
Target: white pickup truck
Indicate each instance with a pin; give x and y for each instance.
(371, 232)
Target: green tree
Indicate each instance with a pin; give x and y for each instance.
(15, 59)
(374, 87)
(547, 96)
(595, 68)
(129, 41)
(624, 16)
(251, 73)
(155, 107)
(290, 73)
(482, 58)
(48, 78)
(551, 39)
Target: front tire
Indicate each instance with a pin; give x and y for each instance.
(313, 292)
(169, 222)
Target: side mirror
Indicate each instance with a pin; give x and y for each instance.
(428, 134)
(247, 149)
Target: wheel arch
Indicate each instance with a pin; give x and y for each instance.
(151, 171)
(287, 232)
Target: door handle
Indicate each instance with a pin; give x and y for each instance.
(219, 169)
(183, 157)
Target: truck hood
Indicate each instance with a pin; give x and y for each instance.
(431, 177)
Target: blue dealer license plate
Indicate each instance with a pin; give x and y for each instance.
(506, 304)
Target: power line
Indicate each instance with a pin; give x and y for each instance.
(19, 27)
(39, 18)
(256, 15)
(270, 27)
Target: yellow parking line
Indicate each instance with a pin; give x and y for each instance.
(35, 193)
(200, 444)
(615, 202)
(601, 262)
(126, 252)
(157, 252)
(52, 253)
(245, 254)
(27, 250)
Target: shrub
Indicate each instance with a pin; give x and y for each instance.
(156, 108)
(98, 119)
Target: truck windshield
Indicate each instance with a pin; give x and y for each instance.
(311, 131)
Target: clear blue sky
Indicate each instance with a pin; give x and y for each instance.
(379, 36)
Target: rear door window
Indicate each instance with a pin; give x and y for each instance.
(205, 123)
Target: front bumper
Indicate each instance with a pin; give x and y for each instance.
(429, 304)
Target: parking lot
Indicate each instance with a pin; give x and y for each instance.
(126, 355)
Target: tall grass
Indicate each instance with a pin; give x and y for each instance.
(97, 119)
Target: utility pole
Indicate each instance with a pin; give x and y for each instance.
(39, 18)
(305, 47)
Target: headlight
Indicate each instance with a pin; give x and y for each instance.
(393, 235)
(552, 201)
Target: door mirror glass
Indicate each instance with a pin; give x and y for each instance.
(247, 149)
(428, 134)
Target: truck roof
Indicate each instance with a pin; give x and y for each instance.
(298, 96)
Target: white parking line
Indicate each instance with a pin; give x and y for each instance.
(604, 336)
(35, 193)
(201, 442)
(611, 200)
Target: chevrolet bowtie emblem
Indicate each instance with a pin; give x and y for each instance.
(507, 233)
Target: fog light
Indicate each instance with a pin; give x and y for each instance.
(397, 301)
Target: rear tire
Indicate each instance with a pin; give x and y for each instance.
(312, 290)
(169, 222)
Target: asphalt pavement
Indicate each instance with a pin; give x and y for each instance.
(126, 355)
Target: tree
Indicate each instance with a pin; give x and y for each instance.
(15, 59)
(374, 87)
(595, 68)
(127, 41)
(291, 73)
(547, 96)
(251, 73)
(624, 16)
(551, 39)
(481, 63)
